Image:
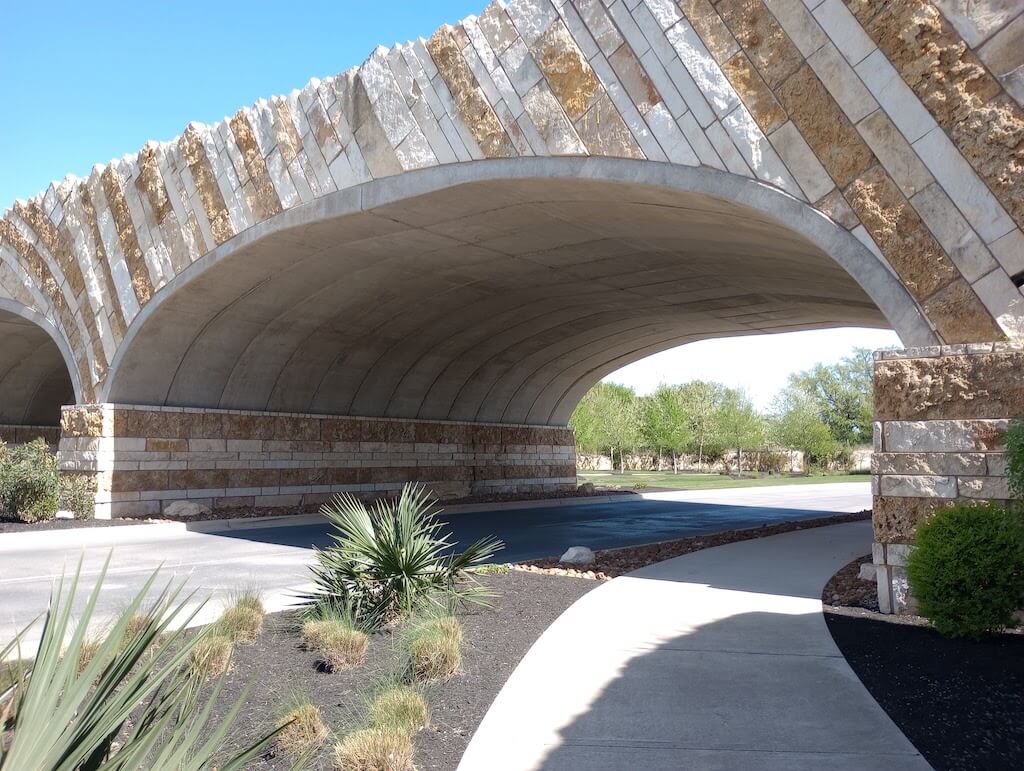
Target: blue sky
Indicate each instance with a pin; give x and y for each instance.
(85, 82)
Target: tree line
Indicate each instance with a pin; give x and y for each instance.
(823, 412)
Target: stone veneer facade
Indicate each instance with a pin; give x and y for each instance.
(146, 458)
(898, 119)
(940, 414)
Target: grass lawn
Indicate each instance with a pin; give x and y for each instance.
(666, 480)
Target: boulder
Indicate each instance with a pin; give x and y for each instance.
(587, 488)
(185, 509)
(577, 555)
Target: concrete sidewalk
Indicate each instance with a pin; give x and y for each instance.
(719, 659)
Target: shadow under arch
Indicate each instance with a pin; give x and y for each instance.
(37, 371)
(412, 296)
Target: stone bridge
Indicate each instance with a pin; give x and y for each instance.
(413, 270)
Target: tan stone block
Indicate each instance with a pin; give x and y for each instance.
(196, 479)
(634, 79)
(959, 315)
(246, 426)
(82, 421)
(191, 145)
(968, 386)
(473, 108)
(570, 76)
(824, 126)
(263, 201)
(895, 519)
(899, 232)
(340, 430)
(166, 445)
(756, 96)
(712, 30)
(984, 488)
(767, 45)
(938, 463)
(142, 283)
(134, 481)
(253, 477)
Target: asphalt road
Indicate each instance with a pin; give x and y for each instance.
(275, 559)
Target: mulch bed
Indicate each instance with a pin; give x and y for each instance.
(17, 526)
(960, 702)
(611, 563)
(495, 641)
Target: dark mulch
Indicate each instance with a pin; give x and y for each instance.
(495, 641)
(960, 702)
(610, 563)
(8, 525)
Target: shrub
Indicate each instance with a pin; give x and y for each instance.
(374, 749)
(335, 635)
(302, 727)
(78, 494)
(60, 717)
(1015, 458)
(967, 570)
(28, 482)
(399, 706)
(210, 656)
(388, 558)
(433, 644)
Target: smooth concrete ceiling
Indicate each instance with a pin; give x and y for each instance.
(34, 380)
(497, 300)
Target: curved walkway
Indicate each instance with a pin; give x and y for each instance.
(719, 659)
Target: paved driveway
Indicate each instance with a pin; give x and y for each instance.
(275, 559)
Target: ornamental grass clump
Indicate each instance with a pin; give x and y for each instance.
(398, 706)
(336, 636)
(242, 621)
(967, 569)
(433, 646)
(124, 709)
(383, 748)
(387, 558)
(302, 726)
(211, 655)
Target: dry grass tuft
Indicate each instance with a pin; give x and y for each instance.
(434, 647)
(334, 635)
(304, 729)
(374, 749)
(90, 647)
(399, 706)
(241, 624)
(211, 656)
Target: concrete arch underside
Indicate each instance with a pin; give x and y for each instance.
(495, 291)
(34, 379)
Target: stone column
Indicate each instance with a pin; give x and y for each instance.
(940, 415)
(153, 461)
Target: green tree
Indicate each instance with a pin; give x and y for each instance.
(701, 401)
(841, 394)
(665, 422)
(740, 425)
(607, 418)
(796, 424)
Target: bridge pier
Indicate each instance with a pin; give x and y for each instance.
(148, 460)
(940, 415)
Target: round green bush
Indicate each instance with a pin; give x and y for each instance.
(29, 488)
(967, 570)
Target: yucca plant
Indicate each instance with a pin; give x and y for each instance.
(391, 556)
(132, 706)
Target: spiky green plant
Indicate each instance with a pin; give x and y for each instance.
(387, 558)
(63, 719)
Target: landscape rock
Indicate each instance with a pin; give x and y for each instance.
(867, 572)
(577, 555)
(185, 509)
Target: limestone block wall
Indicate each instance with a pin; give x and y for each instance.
(940, 414)
(898, 119)
(12, 435)
(146, 458)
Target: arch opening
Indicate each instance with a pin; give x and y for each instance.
(497, 291)
(34, 377)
